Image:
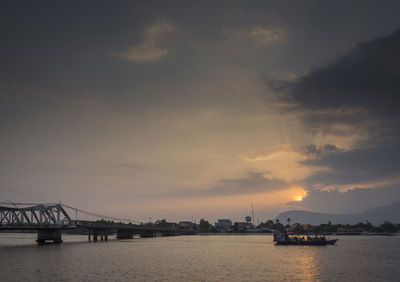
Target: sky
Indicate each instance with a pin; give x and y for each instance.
(197, 109)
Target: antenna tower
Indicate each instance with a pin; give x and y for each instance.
(252, 213)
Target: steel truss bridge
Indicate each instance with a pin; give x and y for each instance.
(50, 219)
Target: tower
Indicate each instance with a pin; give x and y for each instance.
(252, 212)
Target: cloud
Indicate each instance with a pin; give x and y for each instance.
(254, 42)
(267, 36)
(150, 49)
(356, 166)
(317, 151)
(354, 200)
(360, 87)
(356, 94)
(252, 183)
(264, 36)
(145, 52)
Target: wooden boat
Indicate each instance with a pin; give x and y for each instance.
(285, 239)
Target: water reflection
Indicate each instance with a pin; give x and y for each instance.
(306, 261)
(199, 258)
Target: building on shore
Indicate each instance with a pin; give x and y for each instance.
(187, 227)
(246, 226)
(223, 224)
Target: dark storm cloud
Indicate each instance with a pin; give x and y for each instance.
(367, 77)
(369, 163)
(363, 165)
(361, 87)
(359, 90)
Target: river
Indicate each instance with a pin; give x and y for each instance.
(198, 258)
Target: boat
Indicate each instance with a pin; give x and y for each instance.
(285, 239)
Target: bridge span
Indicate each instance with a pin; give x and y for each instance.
(51, 219)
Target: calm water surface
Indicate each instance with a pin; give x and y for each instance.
(198, 258)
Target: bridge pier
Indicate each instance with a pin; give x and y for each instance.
(149, 234)
(49, 235)
(103, 233)
(94, 235)
(124, 234)
(168, 233)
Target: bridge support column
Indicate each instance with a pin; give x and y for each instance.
(94, 235)
(103, 233)
(49, 235)
(149, 234)
(124, 234)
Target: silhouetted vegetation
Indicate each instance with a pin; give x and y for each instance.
(270, 224)
(204, 226)
(389, 227)
(386, 227)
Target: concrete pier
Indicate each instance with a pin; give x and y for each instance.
(103, 233)
(149, 234)
(49, 235)
(124, 234)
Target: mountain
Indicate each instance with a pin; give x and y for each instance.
(376, 216)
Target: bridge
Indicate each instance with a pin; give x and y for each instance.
(51, 219)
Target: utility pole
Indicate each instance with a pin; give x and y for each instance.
(252, 213)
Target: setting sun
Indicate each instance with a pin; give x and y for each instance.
(300, 195)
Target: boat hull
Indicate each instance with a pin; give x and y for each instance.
(307, 243)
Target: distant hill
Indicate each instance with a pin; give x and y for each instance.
(376, 216)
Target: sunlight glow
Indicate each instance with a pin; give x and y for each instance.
(300, 196)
